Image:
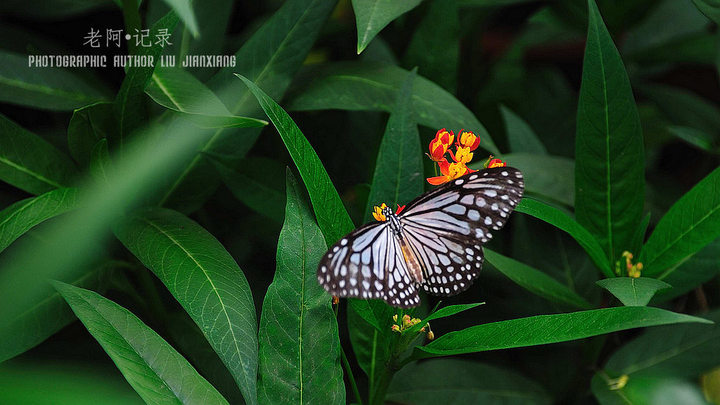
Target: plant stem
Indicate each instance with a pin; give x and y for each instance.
(378, 396)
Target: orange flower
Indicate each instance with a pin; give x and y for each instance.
(468, 140)
(439, 146)
(450, 171)
(491, 162)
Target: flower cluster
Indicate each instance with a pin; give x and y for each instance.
(407, 323)
(633, 270)
(465, 144)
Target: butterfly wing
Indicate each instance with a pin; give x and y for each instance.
(447, 227)
(368, 263)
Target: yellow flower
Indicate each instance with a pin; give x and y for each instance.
(378, 213)
(463, 155)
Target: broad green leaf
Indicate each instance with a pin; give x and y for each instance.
(100, 162)
(455, 381)
(48, 316)
(87, 126)
(184, 10)
(18, 218)
(562, 221)
(331, 215)
(370, 345)
(698, 269)
(521, 137)
(609, 159)
(646, 390)
(63, 383)
(205, 280)
(684, 108)
(47, 88)
(711, 8)
(178, 90)
(258, 183)
(545, 329)
(129, 102)
(299, 345)
(270, 58)
(372, 16)
(154, 369)
(435, 45)
(374, 87)
(443, 312)
(375, 312)
(535, 281)
(398, 176)
(29, 162)
(633, 291)
(688, 226)
(545, 175)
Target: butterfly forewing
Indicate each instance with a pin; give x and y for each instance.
(443, 229)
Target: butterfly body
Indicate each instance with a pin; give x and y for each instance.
(434, 244)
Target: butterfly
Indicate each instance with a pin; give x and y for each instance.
(435, 243)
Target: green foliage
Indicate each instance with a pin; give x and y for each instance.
(169, 184)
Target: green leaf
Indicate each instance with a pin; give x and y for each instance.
(371, 346)
(29, 162)
(18, 218)
(455, 381)
(562, 221)
(521, 137)
(184, 10)
(711, 8)
(331, 215)
(299, 345)
(698, 269)
(646, 390)
(178, 90)
(257, 182)
(87, 126)
(270, 58)
(696, 137)
(100, 163)
(373, 87)
(47, 88)
(398, 176)
(545, 329)
(443, 312)
(684, 108)
(205, 280)
(213, 16)
(49, 315)
(63, 383)
(545, 175)
(375, 312)
(129, 102)
(609, 160)
(633, 291)
(435, 45)
(372, 16)
(688, 226)
(154, 369)
(535, 281)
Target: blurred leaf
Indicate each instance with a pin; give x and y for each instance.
(633, 291)
(48, 316)
(270, 58)
(87, 126)
(545, 175)
(29, 162)
(696, 138)
(370, 345)
(331, 215)
(52, 10)
(646, 391)
(364, 86)
(562, 221)
(213, 16)
(299, 345)
(711, 385)
(63, 383)
(544, 329)
(205, 280)
(435, 45)
(178, 90)
(184, 10)
(100, 161)
(535, 281)
(688, 226)
(609, 160)
(684, 108)
(373, 15)
(711, 8)
(455, 381)
(698, 269)
(18, 218)
(492, 3)
(154, 369)
(47, 88)
(257, 182)
(521, 138)
(129, 105)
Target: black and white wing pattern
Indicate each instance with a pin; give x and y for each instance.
(368, 263)
(434, 244)
(448, 226)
